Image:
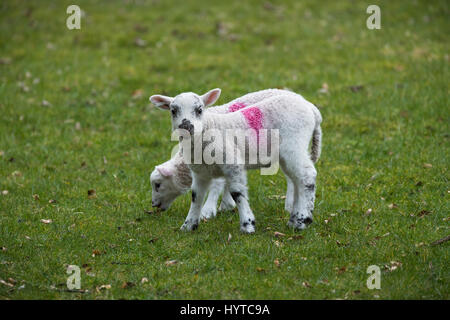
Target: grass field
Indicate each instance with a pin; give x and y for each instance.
(75, 116)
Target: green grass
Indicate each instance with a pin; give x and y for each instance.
(376, 142)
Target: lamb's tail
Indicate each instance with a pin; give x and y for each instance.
(316, 144)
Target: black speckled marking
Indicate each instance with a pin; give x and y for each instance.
(235, 196)
(310, 187)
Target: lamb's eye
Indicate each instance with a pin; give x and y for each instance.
(198, 111)
(157, 185)
(174, 112)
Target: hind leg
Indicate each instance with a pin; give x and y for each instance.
(227, 200)
(300, 169)
(289, 201)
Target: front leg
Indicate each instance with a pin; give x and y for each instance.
(209, 209)
(199, 187)
(237, 180)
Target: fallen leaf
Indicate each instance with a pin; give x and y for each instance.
(342, 270)
(393, 266)
(103, 286)
(423, 213)
(278, 234)
(36, 197)
(46, 221)
(152, 240)
(324, 88)
(171, 262)
(260, 269)
(52, 201)
(392, 206)
(45, 103)
(368, 212)
(306, 284)
(96, 253)
(6, 283)
(5, 192)
(91, 193)
(127, 284)
(427, 165)
(137, 94)
(229, 237)
(139, 42)
(277, 262)
(144, 280)
(356, 88)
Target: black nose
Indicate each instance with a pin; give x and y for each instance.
(154, 204)
(187, 125)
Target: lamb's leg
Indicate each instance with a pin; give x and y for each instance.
(199, 188)
(237, 180)
(301, 171)
(227, 203)
(289, 201)
(209, 209)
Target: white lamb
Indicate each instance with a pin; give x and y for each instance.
(173, 177)
(295, 120)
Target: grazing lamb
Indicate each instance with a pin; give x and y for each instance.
(173, 177)
(294, 119)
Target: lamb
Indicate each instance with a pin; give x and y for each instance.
(296, 121)
(173, 177)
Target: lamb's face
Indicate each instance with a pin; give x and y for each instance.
(187, 108)
(187, 112)
(164, 191)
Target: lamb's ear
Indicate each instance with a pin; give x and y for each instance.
(164, 171)
(211, 97)
(160, 101)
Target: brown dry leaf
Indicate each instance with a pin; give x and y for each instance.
(342, 270)
(52, 201)
(127, 284)
(103, 286)
(4, 248)
(393, 266)
(278, 234)
(137, 94)
(392, 206)
(91, 193)
(46, 221)
(423, 213)
(96, 253)
(260, 269)
(369, 211)
(306, 284)
(36, 197)
(427, 165)
(277, 262)
(356, 88)
(6, 283)
(171, 262)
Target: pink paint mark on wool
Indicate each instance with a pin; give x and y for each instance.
(236, 106)
(254, 118)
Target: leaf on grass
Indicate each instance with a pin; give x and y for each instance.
(152, 240)
(137, 94)
(91, 194)
(52, 201)
(103, 286)
(6, 283)
(5, 192)
(394, 265)
(342, 270)
(277, 262)
(324, 88)
(356, 88)
(278, 234)
(260, 269)
(171, 262)
(229, 237)
(423, 213)
(46, 221)
(306, 284)
(368, 212)
(392, 206)
(96, 253)
(427, 165)
(127, 284)
(144, 280)
(36, 197)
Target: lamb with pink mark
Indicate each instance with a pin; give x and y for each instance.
(295, 120)
(173, 178)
